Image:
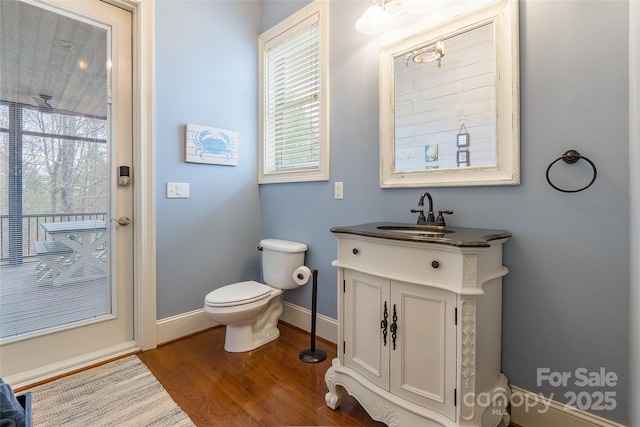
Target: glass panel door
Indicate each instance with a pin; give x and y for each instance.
(65, 124)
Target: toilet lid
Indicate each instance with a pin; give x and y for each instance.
(237, 293)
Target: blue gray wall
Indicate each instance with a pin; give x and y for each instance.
(566, 295)
(206, 74)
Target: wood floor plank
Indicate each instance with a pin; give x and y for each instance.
(223, 398)
(282, 395)
(269, 386)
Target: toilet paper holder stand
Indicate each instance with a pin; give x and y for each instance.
(312, 354)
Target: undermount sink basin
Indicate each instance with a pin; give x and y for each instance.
(416, 230)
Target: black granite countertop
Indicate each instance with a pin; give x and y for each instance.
(452, 236)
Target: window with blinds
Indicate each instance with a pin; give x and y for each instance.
(293, 119)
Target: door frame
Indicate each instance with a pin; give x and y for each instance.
(144, 201)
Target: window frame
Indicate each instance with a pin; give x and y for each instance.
(281, 31)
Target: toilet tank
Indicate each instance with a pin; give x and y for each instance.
(280, 258)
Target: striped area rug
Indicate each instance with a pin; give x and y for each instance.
(119, 393)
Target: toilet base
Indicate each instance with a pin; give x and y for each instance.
(251, 335)
(241, 338)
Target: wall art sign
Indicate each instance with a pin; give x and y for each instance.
(214, 146)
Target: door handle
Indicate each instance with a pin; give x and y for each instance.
(123, 220)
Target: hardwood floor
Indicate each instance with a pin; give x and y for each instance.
(268, 386)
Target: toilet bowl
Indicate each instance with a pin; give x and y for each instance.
(250, 310)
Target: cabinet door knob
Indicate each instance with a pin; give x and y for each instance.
(355, 251)
(435, 264)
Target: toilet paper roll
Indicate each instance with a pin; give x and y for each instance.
(301, 275)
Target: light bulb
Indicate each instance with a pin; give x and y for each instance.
(373, 20)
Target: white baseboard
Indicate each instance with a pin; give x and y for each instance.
(174, 327)
(300, 317)
(529, 409)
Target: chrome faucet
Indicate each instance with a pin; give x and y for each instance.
(430, 219)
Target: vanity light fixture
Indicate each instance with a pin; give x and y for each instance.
(427, 54)
(374, 20)
(377, 17)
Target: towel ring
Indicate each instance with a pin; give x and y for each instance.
(570, 157)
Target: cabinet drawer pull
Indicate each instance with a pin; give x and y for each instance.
(355, 251)
(435, 264)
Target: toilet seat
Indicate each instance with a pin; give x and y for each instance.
(237, 294)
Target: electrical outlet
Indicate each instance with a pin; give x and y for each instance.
(338, 190)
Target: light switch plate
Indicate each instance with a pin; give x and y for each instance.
(177, 190)
(338, 190)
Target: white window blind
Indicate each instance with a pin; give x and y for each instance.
(293, 104)
(292, 119)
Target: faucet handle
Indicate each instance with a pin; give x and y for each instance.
(440, 219)
(421, 218)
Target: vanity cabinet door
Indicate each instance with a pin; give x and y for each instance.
(418, 361)
(423, 363)
(365, 350)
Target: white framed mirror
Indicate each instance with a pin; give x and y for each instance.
(449, 103)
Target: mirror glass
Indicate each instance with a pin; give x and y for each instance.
(449, 103)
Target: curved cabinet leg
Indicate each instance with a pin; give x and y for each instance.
(495, 412)
(336, 392)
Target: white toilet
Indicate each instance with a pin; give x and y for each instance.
(251, 309)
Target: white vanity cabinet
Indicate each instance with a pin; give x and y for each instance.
(436, 360)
